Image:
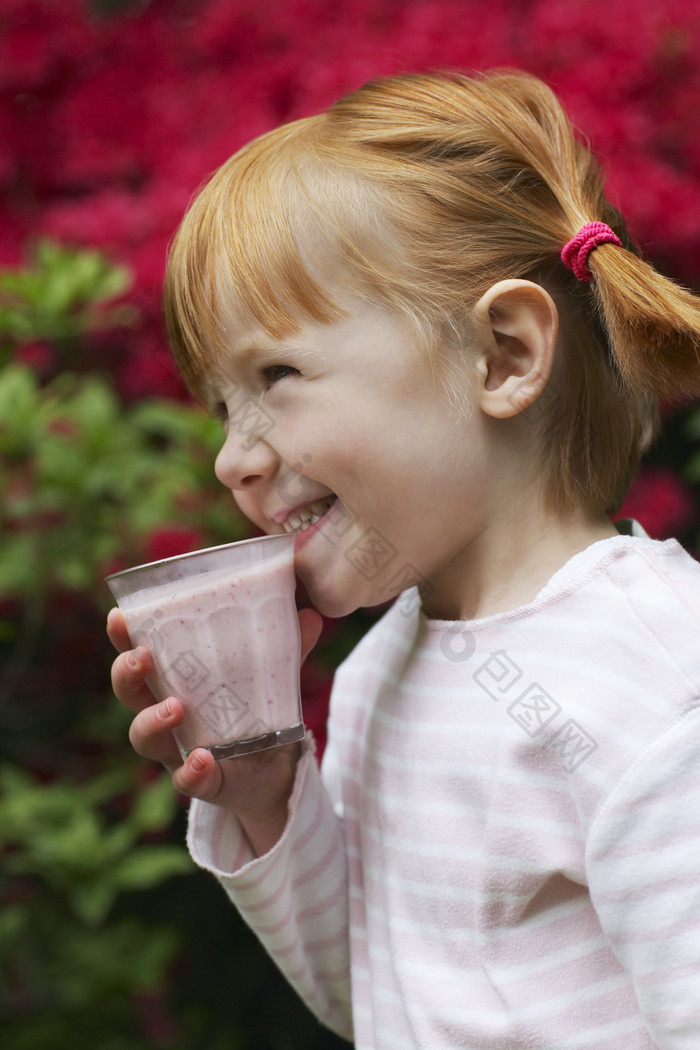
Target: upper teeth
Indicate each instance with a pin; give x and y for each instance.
(303, 517)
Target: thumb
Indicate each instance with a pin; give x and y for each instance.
(310, 625)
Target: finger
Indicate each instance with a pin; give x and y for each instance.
(151, 736)
(116, 630)
(310, 625)
(129, 673)
(200, 776)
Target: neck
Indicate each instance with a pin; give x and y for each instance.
(506, 564)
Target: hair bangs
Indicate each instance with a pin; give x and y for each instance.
(248, 253)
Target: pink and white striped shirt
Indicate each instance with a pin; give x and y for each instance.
(503, 847)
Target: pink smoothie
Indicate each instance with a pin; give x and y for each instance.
(226, 643)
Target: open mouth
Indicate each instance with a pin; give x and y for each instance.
(304, 517)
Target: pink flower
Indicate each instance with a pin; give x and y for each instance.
(38, 356)
(659, 502)
(168, 541)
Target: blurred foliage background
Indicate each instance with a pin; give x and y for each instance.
(111, 113)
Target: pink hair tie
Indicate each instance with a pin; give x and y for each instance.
(575, 253)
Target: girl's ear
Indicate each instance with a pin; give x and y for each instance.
(515, 335)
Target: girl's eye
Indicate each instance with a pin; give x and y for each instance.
(219, 411)
(273, 373)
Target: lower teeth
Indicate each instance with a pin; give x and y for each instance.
(306, 524)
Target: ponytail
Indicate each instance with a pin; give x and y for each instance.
(653, 324)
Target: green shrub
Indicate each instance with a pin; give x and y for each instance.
(100, 936)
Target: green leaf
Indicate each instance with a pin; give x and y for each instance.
(60, 294)
(155, 807)
(20, 570)
(13, 922)
(150, 865)
(92, 901)
(19, 410)
(692, 468)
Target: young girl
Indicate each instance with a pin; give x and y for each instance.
(437, 358)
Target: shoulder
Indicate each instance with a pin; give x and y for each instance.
(656, 588)
(621, 655)
(630, 598)
(662, 563)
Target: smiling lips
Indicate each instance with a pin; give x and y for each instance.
(303, 517)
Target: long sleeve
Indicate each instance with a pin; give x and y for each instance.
(295, 897)
(644, 881)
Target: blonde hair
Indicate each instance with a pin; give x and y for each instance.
(422, 191)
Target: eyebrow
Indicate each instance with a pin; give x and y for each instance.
(242, 358)
(273, 352)
(250, 351)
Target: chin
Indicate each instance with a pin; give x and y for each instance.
(329, 603)
(335, 606)
(332, 607)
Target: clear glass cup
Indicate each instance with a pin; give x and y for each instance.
(222, 627)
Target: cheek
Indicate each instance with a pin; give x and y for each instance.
(248, 505)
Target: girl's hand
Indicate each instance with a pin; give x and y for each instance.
(256, 787)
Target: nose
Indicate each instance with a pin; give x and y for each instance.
(244, 462)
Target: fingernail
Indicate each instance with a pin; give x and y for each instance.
(197, 763)
(135, 658)
(164, 710)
